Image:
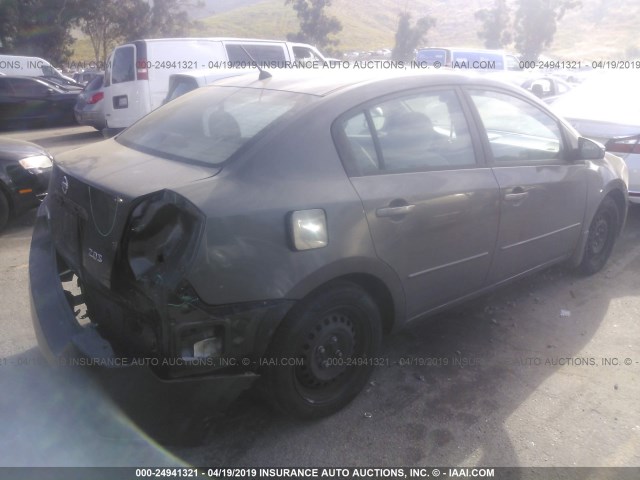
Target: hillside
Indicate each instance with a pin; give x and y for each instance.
(597, 30)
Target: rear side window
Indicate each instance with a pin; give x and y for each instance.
(211, 124)
(123, 69)
(262, 54)
(426, 131)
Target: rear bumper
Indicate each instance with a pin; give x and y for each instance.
(137, 388)
(91, 118)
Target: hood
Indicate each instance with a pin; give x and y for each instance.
(12, 149)
(123, 171)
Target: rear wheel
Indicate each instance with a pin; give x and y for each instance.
(322, 354)
(602, 236)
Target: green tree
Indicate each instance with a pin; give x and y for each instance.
(408, 37)
(316, 27)
(38, 27)
(495, 25)
(110, 22)
(536, 23)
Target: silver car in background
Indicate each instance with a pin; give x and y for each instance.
(606, 108)
(89, 108)
(269, 230)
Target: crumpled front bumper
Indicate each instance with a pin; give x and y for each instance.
(148, 398)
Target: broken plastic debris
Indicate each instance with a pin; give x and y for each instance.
(565, 313)
(367, 415)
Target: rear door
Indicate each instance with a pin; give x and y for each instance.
(542, 194)
(126, 99)
(431, 204)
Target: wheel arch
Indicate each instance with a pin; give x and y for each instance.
(375, 277)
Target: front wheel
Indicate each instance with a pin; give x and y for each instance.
(602, 236)
(322, 354)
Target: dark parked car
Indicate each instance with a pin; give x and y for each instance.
(24, 177)
(26, 101)
(274, 229)
(89, 108)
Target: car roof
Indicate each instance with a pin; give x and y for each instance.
(325, 82)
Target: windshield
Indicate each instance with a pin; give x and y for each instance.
(212, 123)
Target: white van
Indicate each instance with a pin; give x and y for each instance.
(32, 67)
(137, 74)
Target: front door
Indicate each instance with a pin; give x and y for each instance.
(542, 195)
(432, 207)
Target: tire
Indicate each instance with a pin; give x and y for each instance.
(322, 333)
(4, 210)
(602, 236)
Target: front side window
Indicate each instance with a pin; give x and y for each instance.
(211, 124)
(425, 131)
(517, 131)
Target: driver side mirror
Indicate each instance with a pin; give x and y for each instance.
(590, 150)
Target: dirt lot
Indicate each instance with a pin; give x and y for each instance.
(544, 372)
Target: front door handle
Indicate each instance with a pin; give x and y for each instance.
(394, 211)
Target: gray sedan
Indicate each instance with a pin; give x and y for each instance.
(268, 231)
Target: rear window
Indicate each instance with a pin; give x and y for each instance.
(123, 65)
(211, 124)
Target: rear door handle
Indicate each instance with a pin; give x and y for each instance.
(516, 197)
(394, 211)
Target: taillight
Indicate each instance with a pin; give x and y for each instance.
(624, 145)
(95, 98)
(142, 69)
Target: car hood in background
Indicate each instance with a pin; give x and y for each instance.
(610, 98)
(12, 149)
